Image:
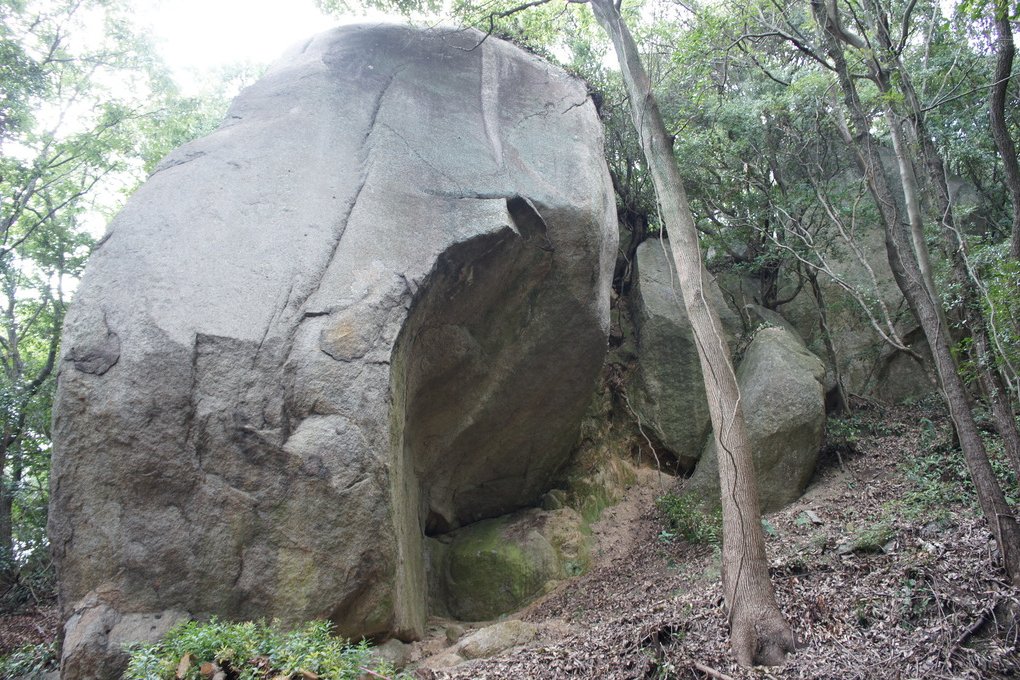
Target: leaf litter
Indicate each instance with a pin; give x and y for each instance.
(879, 574)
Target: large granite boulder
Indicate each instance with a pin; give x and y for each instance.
(669, 390)
(781, 389)
(372, 305)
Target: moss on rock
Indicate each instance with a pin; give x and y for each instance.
(497, 565)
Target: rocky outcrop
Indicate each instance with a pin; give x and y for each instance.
(784, 405)
(372, 305)
(669, 392)
(855, 257)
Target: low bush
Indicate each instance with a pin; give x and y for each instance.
(30, 661)
(252, 651)
(685, 517)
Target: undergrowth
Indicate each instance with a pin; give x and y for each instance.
(252, 651)
(940, 479)
(939, 484)
(684, 517)
(29, 662)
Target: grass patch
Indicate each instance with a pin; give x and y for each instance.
(940, 479)
(873, 538)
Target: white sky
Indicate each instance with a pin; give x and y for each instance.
(194, 36)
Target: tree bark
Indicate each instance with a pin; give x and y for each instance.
(1006, 50)
(998, 401)
(759, 634)
(922, 301)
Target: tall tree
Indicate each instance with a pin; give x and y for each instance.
(954, 245)
(759, 634)
(905, 261)
(1005, 53)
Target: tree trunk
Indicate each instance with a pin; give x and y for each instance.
(759, 634)
(911, 193)
(6, 523)
(840, 403)
(997, 112)
(922, 301)
(955, 250)
(998, 401)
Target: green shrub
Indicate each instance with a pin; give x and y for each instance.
(939, 481)
(873, 538)
(30, 661)
(686, 518)
(844, 433)
(253, 651)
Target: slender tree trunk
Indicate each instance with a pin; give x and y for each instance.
(842, 403)
(911, 193)
(998, 401)
(997, 113)
(922, 301)
(955, 250)
(759, 634)
(6, 524)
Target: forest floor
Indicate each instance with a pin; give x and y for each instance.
(30, 625)
(884, 568)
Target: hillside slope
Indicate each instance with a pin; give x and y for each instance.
(884, 568)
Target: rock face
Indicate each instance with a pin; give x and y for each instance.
(371, 306)
(670, 393)
(784, 404)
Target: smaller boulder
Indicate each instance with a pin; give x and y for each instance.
(781, 388)
(393, 652)
(98, 626)
(669, 396)
(495, 566)
(444, 660)
(497, 638)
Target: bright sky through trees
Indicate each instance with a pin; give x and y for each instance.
(195, 36)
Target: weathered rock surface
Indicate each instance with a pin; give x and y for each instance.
(371, 305)
(486, 642)
(496, 638)
(784, 404)
(495, 566)
(670, 393)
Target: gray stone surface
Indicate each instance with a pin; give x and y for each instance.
(669, 394)
(497, 638)
(373, 303)
(784, 404)
(98, 636)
